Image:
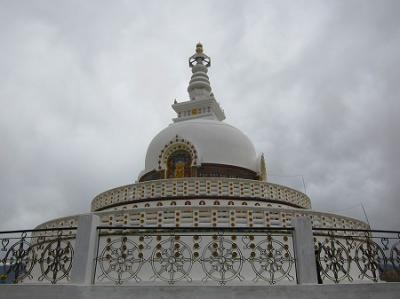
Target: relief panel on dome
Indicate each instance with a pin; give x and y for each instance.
(179, 164)
(177, 159)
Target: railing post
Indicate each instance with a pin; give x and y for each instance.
(85, 249)
(303, 240)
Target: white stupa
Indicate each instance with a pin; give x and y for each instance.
(201, 213)
(203, 172)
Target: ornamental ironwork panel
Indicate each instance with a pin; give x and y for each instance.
(345, 255)
(43, 255)
(177, 255)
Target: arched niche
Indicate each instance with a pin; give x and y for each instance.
(179, 164)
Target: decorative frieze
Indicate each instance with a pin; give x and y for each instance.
(191, 188)
(217, 216)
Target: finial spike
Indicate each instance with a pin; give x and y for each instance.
(199, 48)
(199, 58)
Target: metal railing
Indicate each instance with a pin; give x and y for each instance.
(116, 255)
(201, 255)
(36, 255)
(347, 255)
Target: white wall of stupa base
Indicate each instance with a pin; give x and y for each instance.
(212, 216)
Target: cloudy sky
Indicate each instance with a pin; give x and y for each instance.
(85, 85)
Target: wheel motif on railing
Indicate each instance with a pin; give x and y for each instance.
(370, 259)
(271, 260)
(56, 260)
(222, 260)
(20, 259)
(172, 260)
(334, 260)
(395, 256)
(120, 260)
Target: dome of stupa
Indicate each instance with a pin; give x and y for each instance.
(215, 142)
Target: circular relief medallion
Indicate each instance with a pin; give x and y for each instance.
(171, 260)
(120, 260)
(370, 259)
(395, 256)
(271, 260)
(20, 259)
(222, 260)
(334, 260)
(56, 260)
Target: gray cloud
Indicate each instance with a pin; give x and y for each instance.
(84, 86)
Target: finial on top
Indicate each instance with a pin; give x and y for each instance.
(199, 58)
(199, 48)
